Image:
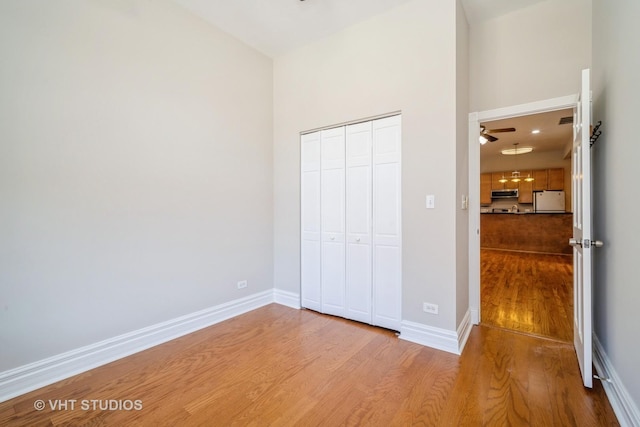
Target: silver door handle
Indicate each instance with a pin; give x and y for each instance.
(332, 238)
(357, 239)
(586, 243)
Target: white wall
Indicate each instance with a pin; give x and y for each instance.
(616, 66)
(462, 162)
(532, 54)
(135, 171)
(404, 59)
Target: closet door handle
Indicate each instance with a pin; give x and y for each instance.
(357, 239)
(332, 238)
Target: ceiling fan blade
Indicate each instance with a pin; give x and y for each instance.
(490, 138)
(500, 130)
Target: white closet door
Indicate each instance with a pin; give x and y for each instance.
(358, 222)
(332, 208)
(387, 233)
(311, 290)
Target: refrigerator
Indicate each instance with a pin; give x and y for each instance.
(548, 201)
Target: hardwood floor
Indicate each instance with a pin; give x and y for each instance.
(280, 366)
(527, 292)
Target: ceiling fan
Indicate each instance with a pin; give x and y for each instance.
(485, 134)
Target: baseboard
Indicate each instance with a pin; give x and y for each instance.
(441, 339)
(289, 299)
(475, 316)
(24, 379)
(464, 330)
(621, 402)
(438, 338)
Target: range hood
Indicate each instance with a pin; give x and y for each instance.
(504, 194)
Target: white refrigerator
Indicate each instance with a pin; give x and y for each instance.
(548, 201)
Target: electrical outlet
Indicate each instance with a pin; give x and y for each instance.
(242, 284)
(427, 307)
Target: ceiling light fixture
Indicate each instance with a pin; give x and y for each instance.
(535, 131)
(483, 139)
(514, 151)
(515, 175)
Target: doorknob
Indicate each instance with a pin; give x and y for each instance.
(597, 243)
(332, 238)
(574, 242)
(357, 239)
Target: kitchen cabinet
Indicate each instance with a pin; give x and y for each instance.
(495, 181)
(485, 188)
(525, 190)
(510, 185)
(555, 179)
(543, 179)
(351, 222)
(540, 179)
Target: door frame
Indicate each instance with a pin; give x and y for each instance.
(475, 118)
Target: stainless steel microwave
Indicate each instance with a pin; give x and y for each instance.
(505, 194)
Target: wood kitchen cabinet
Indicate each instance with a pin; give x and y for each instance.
(510, 185)
(540, 179)
(497, 185)
(495, 181)
(525, 190)
(555, 179)
(485, 188)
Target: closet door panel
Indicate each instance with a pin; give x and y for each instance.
(387, 231)
(332, 152)
(358, 221)
(310, 249)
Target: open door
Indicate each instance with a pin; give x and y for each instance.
(582, 240)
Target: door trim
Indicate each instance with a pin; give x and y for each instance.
(475, 118)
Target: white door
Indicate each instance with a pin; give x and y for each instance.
(358, 218)
(582, 240)
(310, 222)
(332, 218)
(387, 273)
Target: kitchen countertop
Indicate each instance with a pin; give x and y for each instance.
(527, 213)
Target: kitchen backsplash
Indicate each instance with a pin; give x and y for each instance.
(507, 204)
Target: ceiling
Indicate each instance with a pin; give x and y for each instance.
(552, 137)
(482, 10)
(275, 27)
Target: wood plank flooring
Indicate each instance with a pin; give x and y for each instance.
(282, 367)
(527, 292)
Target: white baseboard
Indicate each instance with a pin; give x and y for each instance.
(475, 316)
(289, 299)
(464, 330)
(30, 377)
(441, 339)
(621, 402)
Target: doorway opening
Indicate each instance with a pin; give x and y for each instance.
(524, 276)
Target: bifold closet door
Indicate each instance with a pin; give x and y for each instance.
(332, 220)
(311, 289)
(359, 206)
(387, 233)
(351, 222)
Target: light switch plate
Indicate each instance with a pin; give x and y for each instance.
(431, 201)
